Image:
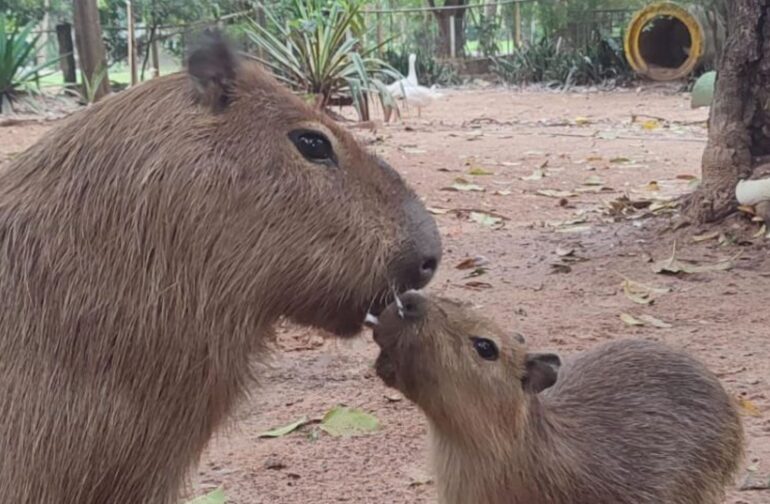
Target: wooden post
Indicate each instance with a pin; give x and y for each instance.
(66, 54)
(131, 41)
(154, 58)
(88, 38)
(517, 23)
(452, 36)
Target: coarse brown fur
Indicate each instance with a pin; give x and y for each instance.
(147, 247)
(628, 422)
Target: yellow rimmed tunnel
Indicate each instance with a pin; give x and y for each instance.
(664, 42)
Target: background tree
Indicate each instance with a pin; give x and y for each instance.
(88, 36)
(739, 125)
(444, 18)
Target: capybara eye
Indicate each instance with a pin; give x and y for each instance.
(313, 145)
(486, 349)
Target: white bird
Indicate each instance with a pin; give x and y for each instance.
(410, 90)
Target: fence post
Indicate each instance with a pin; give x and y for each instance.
(66, 54)
(131, 41)
(452, 36)
(517, 23)
(154, 56)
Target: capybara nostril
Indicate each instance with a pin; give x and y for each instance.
(428, 268)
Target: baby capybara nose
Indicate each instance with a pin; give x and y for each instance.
(412, 306)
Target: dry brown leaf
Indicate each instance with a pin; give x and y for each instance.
(474, 285)
(748, 407)
(654, 322)
(553, 193)
(631, 320)
(537, 174)
(438, 211)
(706, 237)
(479, 171)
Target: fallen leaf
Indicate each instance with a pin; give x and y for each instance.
(749, 407)
(479, 171)
(652, 186)
(342, 421)
(502, 193)
(565, 252)
(640, 293)
(474, 285)
(593, 180)
(706, 237)
(537, 174)
(463, 186)
(582, 121)
(619, 159)
(438, 211)
(654, 322)
(286, 429)
(631, 320)
(651, 124)
(762, 232)
(687, 177)
(552, 193)
(394, 396)
(472, 262)
(674, 266)
(486, 219)
(215, 497)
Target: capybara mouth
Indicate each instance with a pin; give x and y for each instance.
(385, 369)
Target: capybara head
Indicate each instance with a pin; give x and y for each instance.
(449, 360)
(294, 216)
(336, 228)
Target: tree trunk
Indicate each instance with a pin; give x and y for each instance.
(66, 54)
(443, 18)
(739, 124)
(88, 38)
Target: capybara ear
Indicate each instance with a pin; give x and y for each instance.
(212, 64)
(542, 371)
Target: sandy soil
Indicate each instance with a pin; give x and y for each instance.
(554, 272)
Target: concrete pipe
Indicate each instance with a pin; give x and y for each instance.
(666, 42)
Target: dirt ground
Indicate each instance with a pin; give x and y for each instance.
(553, 267)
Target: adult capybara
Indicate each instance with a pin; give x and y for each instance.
(149, 245)
(629, 422)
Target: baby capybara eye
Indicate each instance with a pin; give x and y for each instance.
(486, 349)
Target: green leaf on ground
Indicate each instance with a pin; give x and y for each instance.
(215, 497)
(342, 421)
(286, 429)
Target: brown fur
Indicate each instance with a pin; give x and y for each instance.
(147, 247)
(629, 422)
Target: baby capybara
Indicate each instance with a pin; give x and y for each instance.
(629, 422)
(147, 247)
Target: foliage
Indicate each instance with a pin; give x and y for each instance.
(550, 62)
(17, 49)
(486, 30)
(316, 54)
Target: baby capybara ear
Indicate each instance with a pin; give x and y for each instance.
(212, 64)
(541, 372)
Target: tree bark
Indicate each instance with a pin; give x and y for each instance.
(443, 18)
(739, 122)
(88, 38)
(66, 54)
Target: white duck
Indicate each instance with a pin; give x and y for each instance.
(411, 91)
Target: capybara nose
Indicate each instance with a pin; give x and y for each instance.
(411, 306)
(422, 256)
